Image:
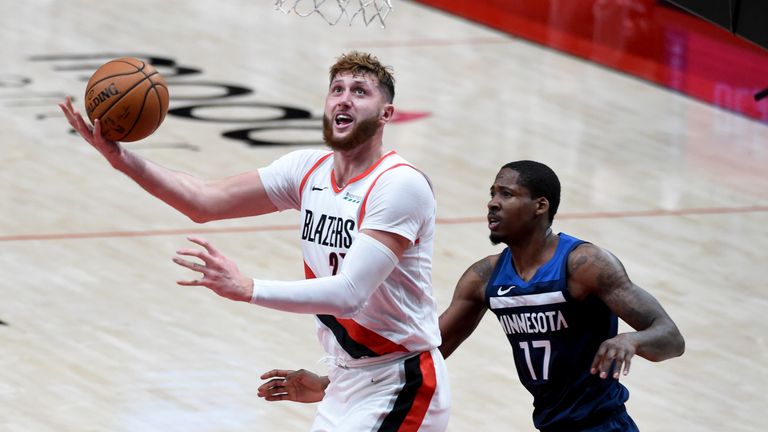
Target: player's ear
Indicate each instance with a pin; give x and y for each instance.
(542, 206)
(387, 112)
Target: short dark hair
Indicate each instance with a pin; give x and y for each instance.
(359, 63)
(540, 180)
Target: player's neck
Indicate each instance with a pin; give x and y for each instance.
(529, 255)
(348, 164)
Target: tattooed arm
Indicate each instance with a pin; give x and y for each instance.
(467, 306)
(595, 271)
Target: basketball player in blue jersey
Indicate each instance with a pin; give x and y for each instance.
(558, 300)
(367, 220)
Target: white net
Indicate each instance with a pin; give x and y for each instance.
(334, 12)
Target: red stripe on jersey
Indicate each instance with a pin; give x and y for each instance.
(424, 394)
(311, 170)
(337, 189)
(368, 338)
(373, 341)
(308, 273)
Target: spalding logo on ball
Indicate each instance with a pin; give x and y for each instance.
(129, 97)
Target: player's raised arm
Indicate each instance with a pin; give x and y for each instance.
(200, 200)
(595, 271)
(467, 306)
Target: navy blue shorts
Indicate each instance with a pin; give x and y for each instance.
(616, 421)
(621, 422)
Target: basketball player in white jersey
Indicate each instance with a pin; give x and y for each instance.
(367, 227)
(558, 300)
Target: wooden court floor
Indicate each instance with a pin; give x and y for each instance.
(97, 336)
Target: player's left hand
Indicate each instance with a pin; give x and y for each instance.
(298, 386)
(617, 351)
(220, 274)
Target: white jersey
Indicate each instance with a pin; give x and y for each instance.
(400, 316)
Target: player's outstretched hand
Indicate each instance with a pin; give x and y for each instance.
(297, 386)
(220, 274)
(110, 149)
(617, 351)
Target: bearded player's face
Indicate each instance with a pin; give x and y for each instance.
(353, 111)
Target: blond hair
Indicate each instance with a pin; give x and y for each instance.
(366, 64)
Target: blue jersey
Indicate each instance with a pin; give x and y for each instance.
(554, 339)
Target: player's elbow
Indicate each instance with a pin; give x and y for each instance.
(200, 213)
(348, 311)
(676, 342)
(198, 217)
(201, 205)
(678, 345)
(351, 299)
(349, 307)
(673, 346)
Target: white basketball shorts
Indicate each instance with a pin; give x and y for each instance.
(407, 395)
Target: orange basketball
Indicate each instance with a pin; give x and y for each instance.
(129, 97)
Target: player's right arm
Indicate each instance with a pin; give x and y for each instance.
(200, 200)
(594, 271)
(467, 306)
